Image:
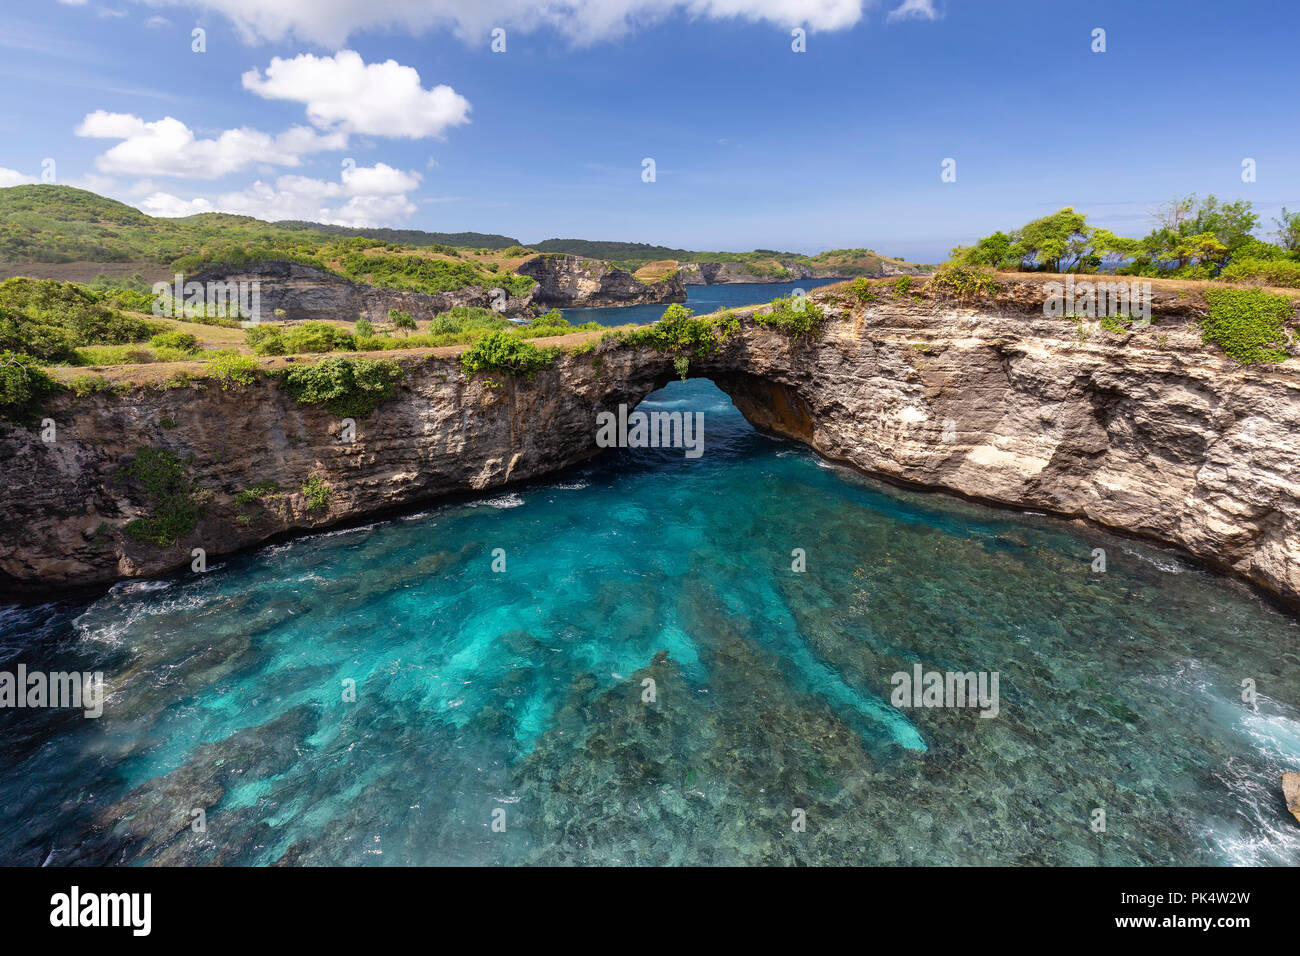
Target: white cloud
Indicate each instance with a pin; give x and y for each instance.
(345, 93)
(914, 10)
(167, 147)
(364, 196)
(11, 177)
(170, 207)
(584, 21)
(155, 23)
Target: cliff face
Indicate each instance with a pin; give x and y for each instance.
(578, 282)
(1149, 432)
(724, 273)
(307, 293)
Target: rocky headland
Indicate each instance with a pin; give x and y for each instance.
(570, 281)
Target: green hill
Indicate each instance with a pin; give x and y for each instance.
(759, 262)
(46, 223)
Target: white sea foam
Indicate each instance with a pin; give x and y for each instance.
(1167, 564)
(511, 500)
(572, 485)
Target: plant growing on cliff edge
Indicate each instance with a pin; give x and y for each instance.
(682, 333)
(964, 282)
(316, 492)
(23, 383)
(256, 492)
(173, 499)
(1249, 325)
(506, 354)
(229, 368)
(351, 387)
(795, 317)
(863, 290)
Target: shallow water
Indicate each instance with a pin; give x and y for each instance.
(522, 691)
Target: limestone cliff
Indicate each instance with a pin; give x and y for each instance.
(578, 282)
(304, 292)
(1148, 432)
(731, 273)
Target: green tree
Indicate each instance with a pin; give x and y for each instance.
(401, 320)
(1054, 243)
(1288, 230)
(992, 251)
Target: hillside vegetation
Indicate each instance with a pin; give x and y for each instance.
(44, 223)
(60, 224)
(761, 263)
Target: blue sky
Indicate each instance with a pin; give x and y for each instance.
(754, 145)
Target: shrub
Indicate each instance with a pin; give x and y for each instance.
(506, 354)
(401, 321)
(182, 342)
(256, 492)
(363, 327)
(265, 340)
(350, 387)
(23, 383)
(681, 332)
(964, 282)
(863, 290)
(316, 492)
(308, 338)
(1278, 272)
(40, 339)
(230, 369)
(552, 319)
(174, 503)
(1248, 324)
(317, 337)
(795, 321)
(48, 319)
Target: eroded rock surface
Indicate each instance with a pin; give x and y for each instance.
(578, 282)
(1149, 432)
(306, 293)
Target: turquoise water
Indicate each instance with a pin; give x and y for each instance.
(521, 691)
(700, 298)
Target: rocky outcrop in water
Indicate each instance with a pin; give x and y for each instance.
(1149, 432)
(1291, 793)
(578, 282)
(304, 292)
